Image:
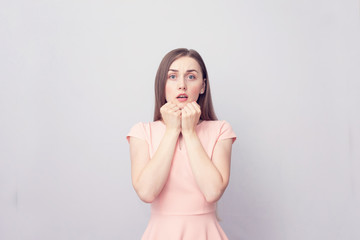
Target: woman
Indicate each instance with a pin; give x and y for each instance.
(180, 163)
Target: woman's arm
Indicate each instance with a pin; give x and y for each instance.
(149, 175)
(212, 176)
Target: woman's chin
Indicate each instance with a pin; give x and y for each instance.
(181, 105)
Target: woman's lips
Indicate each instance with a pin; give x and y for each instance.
(182, 97)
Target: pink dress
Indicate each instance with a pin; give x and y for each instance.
(180, 211)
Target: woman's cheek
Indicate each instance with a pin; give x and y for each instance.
(168, 93)
(194, 93)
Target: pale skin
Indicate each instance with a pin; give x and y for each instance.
(181, 117)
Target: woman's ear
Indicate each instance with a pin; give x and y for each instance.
(203, 86)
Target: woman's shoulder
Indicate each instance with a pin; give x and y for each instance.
(219, 128)
(147, 126)
(145, 130)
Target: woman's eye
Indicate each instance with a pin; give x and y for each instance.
(191, 77)
(172, 76)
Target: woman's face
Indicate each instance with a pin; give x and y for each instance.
(184, 82)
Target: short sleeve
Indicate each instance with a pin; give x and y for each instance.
(138, 131)
(226, 131)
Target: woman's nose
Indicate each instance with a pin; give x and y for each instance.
(181, 83)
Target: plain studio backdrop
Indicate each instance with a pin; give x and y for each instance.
(77, 75)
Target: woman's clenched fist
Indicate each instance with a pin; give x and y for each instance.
(171, 115)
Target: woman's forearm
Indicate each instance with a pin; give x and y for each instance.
(153, 176)
(208, 177)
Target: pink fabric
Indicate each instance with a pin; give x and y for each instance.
(180, 211)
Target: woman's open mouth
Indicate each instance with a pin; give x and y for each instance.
(182, 97)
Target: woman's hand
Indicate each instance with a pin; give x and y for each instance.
(190, 117)
(171, 115)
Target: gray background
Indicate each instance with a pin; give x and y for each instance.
(76, 75)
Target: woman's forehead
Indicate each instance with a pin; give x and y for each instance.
(185, 63)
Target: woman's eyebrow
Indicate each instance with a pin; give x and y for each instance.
(190, 70)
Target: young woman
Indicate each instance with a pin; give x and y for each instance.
(180, 163)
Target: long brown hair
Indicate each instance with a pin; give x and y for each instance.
(204, 100)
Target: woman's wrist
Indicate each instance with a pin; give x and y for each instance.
(172, 131)
(189, 133)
